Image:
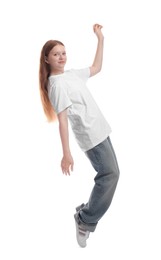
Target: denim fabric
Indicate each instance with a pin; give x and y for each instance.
(103, 159)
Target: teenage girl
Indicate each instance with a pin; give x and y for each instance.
(65, 97)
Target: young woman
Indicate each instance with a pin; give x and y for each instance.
(65, 97)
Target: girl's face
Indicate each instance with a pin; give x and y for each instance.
(57, 59)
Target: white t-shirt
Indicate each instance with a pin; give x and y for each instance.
(69, 91)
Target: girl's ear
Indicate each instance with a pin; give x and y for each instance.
(46, 60)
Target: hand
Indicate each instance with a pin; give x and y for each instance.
(97, 30)
(67, 164)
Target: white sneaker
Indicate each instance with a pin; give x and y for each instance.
(81, 234)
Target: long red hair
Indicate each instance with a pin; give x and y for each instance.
(44, 73)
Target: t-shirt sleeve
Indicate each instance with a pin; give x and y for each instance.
(84, 74)
(59, 98)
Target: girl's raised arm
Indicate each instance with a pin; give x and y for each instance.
(97, 63)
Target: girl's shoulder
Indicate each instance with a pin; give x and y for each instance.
(83, 73)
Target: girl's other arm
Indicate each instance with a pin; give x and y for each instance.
(97, 63)
(67, 160)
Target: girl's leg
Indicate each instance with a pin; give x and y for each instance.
(104, 161)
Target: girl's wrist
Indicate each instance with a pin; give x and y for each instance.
(66, 153)
(101, 38)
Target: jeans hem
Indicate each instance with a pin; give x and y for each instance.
(89, 227)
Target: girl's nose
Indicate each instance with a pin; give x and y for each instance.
(60, 56)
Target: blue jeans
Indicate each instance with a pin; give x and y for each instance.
(103, 159)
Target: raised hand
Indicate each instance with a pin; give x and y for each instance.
(97, 30)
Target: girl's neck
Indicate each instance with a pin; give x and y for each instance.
(56, 72)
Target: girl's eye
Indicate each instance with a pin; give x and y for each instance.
(58, 54)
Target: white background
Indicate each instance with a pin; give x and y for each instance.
(37, 202)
